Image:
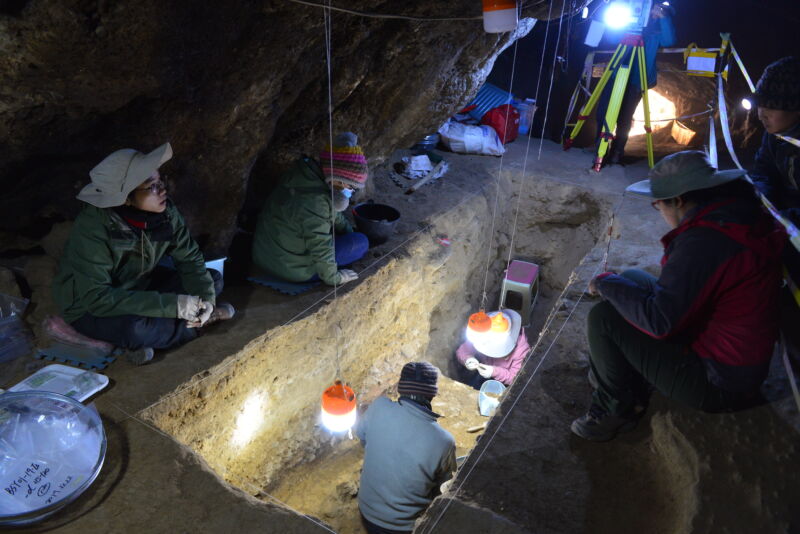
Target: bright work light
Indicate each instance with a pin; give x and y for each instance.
(618, 15)
(746, 104)
(632, 14)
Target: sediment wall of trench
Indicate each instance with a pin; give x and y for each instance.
(412, 307)
(384, 321)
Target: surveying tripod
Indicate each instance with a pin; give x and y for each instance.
(630, 49)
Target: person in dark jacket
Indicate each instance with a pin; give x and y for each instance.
(704, 331)
(302, 220)
(109, 285)
(407, 455)
(659, 32)
(776, 171)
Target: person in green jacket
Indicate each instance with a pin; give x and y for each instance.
(109, 285)
(294, 237)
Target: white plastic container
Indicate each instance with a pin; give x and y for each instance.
(595, 33)
(499, 16)
(526, 110)
(68, 381)
(489, 397)
(53, 448)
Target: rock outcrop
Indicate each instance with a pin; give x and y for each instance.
(234, 86)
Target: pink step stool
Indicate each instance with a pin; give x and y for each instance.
(520, 288)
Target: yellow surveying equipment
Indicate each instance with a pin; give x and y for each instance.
(630, 49)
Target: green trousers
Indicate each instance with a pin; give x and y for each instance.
(626, 362)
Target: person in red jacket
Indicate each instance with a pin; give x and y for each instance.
(704, 331)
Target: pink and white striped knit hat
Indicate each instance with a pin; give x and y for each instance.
(345, 162)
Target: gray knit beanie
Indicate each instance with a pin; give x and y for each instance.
(418, 378)
(779, 86)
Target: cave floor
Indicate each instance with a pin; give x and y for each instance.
(535, 477)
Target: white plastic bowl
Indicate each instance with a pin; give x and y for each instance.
(52, 448)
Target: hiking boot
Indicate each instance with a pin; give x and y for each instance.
(222, 312)
(642, 398)
(139, 356)
(599, 425)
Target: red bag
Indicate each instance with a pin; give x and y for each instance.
(507, 130)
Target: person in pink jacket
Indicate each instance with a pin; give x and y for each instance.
(497, 353)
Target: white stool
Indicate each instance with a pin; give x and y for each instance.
(520, 289)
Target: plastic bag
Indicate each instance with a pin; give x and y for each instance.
(504, 120)
(466, 139)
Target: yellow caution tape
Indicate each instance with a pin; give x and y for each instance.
(788, 139)
(744, 70)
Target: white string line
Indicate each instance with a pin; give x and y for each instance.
(528, 143)
(235, 359)
(380, 15)
(552, 77)
(783, 347)
(328, 31)
(497, 188)
(530, 378)
(239, 482)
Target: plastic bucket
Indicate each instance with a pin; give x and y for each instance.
(489, 397)
(376, 221)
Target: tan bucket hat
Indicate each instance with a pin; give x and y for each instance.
(680, 173)
(120, 173)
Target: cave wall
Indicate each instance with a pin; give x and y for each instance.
(228, 84)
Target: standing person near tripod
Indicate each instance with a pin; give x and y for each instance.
(659, 32)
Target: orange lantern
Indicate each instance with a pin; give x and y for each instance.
(479, 323)
(499, 15)
(500, 323)
(338, 407)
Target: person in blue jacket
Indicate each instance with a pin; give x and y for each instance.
(407, 455)
(659, 32)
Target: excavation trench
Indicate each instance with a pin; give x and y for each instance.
(254, 418)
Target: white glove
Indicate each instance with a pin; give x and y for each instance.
(471, 364)
(347, 275)
(485, 370)
(189, 307)
(203, 316)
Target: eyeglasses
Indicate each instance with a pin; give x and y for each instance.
(156, 187)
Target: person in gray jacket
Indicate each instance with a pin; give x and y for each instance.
(407, 455)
